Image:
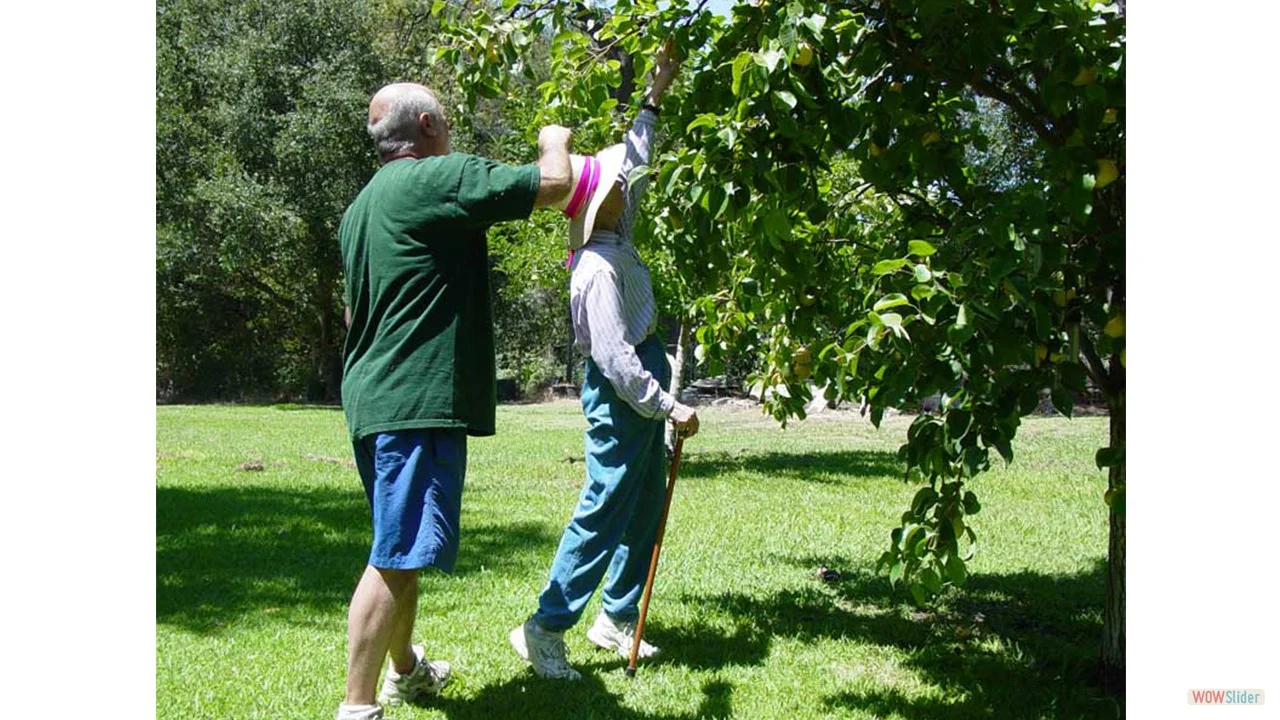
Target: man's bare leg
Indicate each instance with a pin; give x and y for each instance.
(401, 647)
(375, 616)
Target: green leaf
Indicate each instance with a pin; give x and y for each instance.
(895, 572)
(909, 536)
(768, 59)
(923, 499)
(922, 274)
(892, 320)
(776, 224)
(728, 136)
(955, 568)
(1018, 243)
(884, 267)
(703, 120)
(922, 292)
(670, 189)
(1108, 457)
(638, 173)
(971, 504)
(739, 66)
(1062, 400)
(973, 544)
(918, 594)
(890, 301)
(436, 7)
(815, 23)
(786, 97)
(930, 579)
(921, 248)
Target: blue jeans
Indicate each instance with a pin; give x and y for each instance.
(616, 519)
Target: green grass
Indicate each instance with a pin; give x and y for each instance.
(255, 568)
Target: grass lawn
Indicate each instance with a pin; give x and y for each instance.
(255, 569)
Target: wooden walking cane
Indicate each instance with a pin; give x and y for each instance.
(653, 563)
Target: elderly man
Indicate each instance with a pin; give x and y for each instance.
(418, 374)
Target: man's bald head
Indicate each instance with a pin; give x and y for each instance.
(397, 123)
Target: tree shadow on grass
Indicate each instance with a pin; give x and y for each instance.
(527, 696)
(1012, 646)
(835, 466)
(227, 553)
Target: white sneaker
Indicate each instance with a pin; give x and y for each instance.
(427, 678)
(544, 650)
(612, 636)
(360, 712)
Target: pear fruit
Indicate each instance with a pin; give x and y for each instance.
(804, 55)
(1107, 173)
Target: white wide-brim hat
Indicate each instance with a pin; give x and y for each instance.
(592, 177)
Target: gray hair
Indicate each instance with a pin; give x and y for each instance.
(397, 130)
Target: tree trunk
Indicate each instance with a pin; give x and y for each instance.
(327, 365)
(1113, 623)
(677, 377)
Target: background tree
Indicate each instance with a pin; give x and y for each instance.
(260, 145)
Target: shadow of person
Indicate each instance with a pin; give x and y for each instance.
(528, 696)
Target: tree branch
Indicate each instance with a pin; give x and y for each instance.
(922, 203)
(1093, 365)
(533, 11)
(687, 19)
(851, 241)
(1014, 103)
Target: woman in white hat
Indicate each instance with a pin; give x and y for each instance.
(625, 401)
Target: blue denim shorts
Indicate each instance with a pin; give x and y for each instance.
(413, 480)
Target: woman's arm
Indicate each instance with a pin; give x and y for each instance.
(639, 139)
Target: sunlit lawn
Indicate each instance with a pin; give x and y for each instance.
(255, 568)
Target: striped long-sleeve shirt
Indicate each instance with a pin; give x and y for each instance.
(611, 295)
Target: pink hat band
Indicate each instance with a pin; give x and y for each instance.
(588, 181)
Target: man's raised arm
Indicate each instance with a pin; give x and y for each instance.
(553, 164)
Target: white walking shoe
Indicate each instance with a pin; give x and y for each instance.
(428, 678)
(360, 712)
(543, 649)
(618, 637)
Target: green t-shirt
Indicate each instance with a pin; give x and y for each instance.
(419, 351)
